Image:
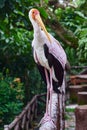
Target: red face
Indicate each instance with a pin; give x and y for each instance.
(34, 13)
(34, 16)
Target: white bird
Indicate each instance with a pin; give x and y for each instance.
(49, 57)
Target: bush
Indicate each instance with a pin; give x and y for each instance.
(11, 98)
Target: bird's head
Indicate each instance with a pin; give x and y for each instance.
(34, 16)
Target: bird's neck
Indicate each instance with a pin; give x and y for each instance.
(39, 35)
(36, 31)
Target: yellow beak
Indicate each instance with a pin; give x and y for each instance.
(39, 20)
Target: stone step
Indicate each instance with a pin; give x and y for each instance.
(81, 117)
(82, 98)
(78, 79)
(74, 89)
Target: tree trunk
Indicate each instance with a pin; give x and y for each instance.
(81, 117)
(48, 125)
(65, 35)
(58, 111)
(61, 108)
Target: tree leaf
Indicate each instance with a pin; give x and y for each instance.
(46, 1)
(79, 13)
(18, 12)
(43, 12)
(2, 3)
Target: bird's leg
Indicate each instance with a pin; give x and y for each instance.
(51, 91)
(50, 103)
(46, 116)
(48, 91)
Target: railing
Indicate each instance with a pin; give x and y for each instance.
(79, 67)
(24, 120)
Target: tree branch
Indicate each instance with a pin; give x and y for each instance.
(59, 5)
(66, 35)
(57, 111)
(48, 125)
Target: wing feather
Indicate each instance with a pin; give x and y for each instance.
(55, 63)
(57, 51)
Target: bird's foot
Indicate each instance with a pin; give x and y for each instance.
(47, 118)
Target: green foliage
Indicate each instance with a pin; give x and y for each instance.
(43, 12)
(36, 83)
(76, 21)
(71, 54)
(15, 42)
(80, 2)
(70, 109)
(2, 3)
(11, 98)
(82, 48)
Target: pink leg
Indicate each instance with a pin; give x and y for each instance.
(48, 89)
(48, 117)
(51, 90)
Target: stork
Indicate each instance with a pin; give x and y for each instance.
(49, 57)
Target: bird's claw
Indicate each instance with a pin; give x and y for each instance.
(47, 118)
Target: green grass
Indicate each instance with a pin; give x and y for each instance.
(70, 110)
